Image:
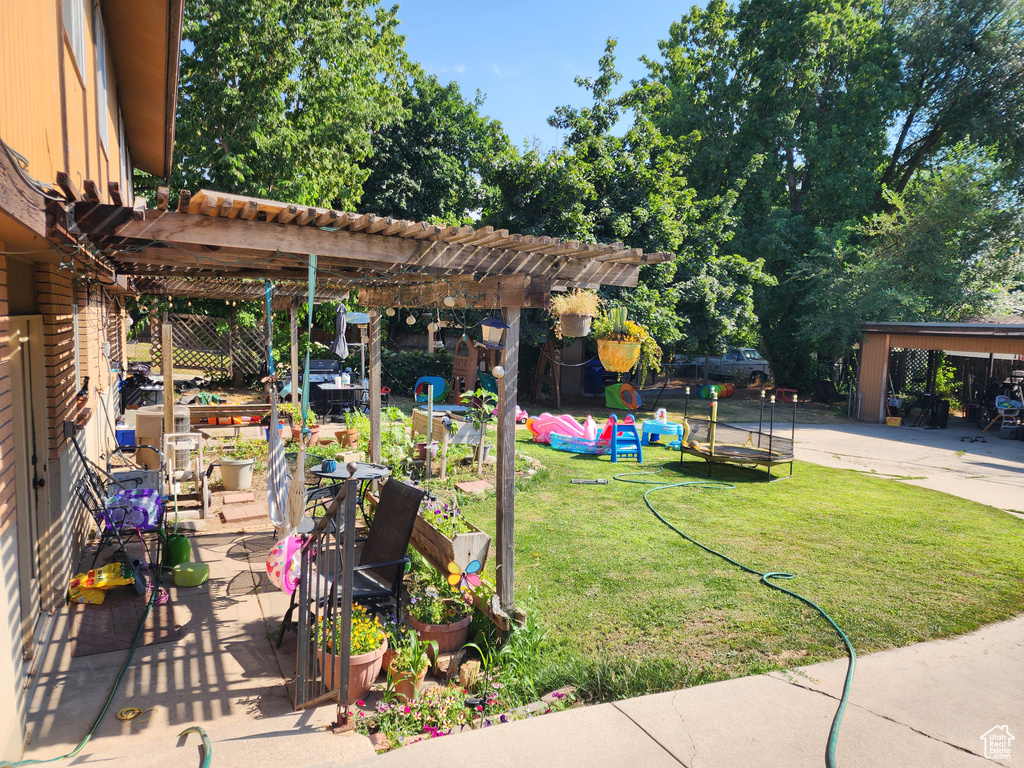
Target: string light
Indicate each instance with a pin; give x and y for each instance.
(449, 301)
(410, 320)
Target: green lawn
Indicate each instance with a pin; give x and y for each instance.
(893, 564)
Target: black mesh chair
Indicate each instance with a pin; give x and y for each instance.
(381, 557)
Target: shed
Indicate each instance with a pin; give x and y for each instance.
(970, 338)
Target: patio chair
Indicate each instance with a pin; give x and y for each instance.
(125, 515)
(381, 560)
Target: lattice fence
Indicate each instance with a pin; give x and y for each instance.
(213, 345)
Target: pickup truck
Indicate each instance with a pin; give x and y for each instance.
(740, 363)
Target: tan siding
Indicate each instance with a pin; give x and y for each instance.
(983, 344)
(31, 42)
(30, 83)
(874, 368)
(7, 508)
(54, 298)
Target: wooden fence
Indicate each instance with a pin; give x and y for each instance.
(218, 346)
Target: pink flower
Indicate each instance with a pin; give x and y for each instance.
(406, 710)
(360, 703)
(497, 686)
(479, 708)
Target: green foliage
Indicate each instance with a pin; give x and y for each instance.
(279, 99)
(402, 368)
(431, 164)
(948, 249)
(482, 405)
(412, 653)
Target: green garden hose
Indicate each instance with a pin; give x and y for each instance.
(207, 751)
(833, 734)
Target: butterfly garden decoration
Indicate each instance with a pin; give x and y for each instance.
(463, 581)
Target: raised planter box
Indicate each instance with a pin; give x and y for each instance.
(440, 550)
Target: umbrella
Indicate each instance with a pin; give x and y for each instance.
(339, 346)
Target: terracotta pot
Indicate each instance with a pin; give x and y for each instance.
(575, 326)
(349, 438)
(362, 669)
(618, 356)
(389, 656)
(314, 434)
(407, 687)
(449, 637)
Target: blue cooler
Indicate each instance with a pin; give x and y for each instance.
(125, 437)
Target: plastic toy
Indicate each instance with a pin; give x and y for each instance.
(579, 444)
(546, 423)
(622, 396)
(283, 564)
(625, 441)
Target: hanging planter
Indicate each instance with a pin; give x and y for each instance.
(618, 356)
(574, 311)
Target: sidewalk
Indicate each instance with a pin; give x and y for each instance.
(926, 705)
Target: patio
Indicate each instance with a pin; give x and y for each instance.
(223, 673)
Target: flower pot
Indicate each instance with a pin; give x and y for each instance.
(407, 686)
(349, 438)
(449, 637)
(575, 326)
(314, 434)
(421, 450)
(237, 473)
(362, 670)
(618, 356)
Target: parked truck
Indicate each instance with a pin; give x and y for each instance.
(738, 363)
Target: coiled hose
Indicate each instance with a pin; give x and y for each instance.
(765, 577)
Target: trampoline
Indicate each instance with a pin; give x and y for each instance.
(720, 443)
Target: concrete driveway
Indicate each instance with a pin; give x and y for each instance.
(990, 472)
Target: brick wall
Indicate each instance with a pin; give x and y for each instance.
(55, 295)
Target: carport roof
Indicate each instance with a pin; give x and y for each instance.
(1012, 329)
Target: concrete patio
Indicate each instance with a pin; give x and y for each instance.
(223, 674)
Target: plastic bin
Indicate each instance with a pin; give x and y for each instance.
(125, 437)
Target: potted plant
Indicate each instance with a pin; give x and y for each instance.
(408, 668)
(236, 468)
(574, 312)
(366, 654)
(294, 413)
(618, 340)
(355, 422)
(436, 617)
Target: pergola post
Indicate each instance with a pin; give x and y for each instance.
(293, 319)
(167, 369)
(374, 331)
(506, 467)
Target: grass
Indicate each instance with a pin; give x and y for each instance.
(632, 607)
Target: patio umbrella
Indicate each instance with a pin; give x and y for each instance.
(339, 346)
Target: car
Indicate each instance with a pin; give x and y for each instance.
(742, 363)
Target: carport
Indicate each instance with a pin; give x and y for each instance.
(985, 338)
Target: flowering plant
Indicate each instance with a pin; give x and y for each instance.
(429, 604)
(366, 634)
(448, 519)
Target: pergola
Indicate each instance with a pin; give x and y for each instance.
(215, 245)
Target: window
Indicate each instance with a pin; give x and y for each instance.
(74, 28)
(102, 107)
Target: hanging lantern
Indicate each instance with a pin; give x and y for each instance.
(493, 330)
(410, 320)
(390, 311)
(449, 301)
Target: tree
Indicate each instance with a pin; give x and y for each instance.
(279, 99)
(430, 165)
(948, 249)
(631, 188)
(810, 108)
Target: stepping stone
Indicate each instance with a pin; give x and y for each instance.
(244, 512)
(474, 486)
(379, 742)
(237, 498)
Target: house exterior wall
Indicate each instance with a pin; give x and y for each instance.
(50, 114)
(49, 105)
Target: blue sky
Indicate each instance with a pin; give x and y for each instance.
(523, 55)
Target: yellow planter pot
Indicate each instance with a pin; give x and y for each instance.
(618, 356)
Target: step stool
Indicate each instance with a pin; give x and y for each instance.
(625, 441)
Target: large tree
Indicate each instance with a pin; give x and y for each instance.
(431, 164)
(811, 109)
(279, 99)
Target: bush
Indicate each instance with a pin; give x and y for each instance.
(401, 369)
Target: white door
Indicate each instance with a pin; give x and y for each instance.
(28, 397)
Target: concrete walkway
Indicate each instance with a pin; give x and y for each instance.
(990, 472)
(926, 705)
